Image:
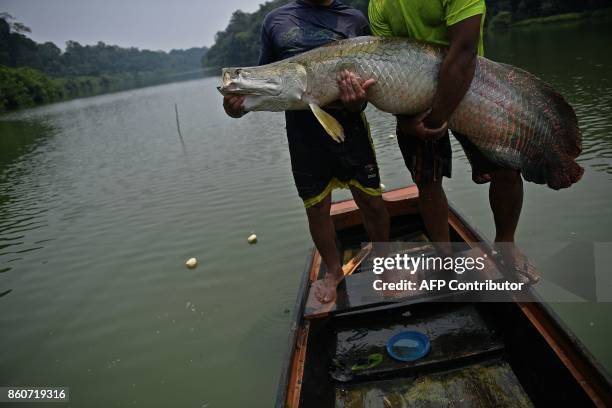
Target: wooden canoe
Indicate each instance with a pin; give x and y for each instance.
(506, 354)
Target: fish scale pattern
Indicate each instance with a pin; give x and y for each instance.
(405, 82)
(512, 117)
(520, 122)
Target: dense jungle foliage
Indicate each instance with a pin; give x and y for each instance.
(33, 73)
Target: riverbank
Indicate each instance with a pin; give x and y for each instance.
(25, 87)
(567, 17)
(33, 73)
(504, 20)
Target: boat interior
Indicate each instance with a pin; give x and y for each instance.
(481, 355)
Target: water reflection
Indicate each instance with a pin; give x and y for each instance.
(18, 137)
(20, 210)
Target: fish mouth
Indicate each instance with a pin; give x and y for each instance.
(242, 82)
(235, 89)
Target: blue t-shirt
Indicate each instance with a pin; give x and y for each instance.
(298, 27)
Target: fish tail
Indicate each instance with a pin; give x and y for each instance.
(557, 173)
(562, 171)
(563, 176)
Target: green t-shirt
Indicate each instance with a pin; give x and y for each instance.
(425, 20)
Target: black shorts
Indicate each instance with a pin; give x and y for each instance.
(320, 164)
(429, 161)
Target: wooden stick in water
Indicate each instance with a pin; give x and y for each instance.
(178, 127)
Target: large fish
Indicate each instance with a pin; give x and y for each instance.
(512, 117)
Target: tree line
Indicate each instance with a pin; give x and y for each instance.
(524, 9)
(238, 44)
(32, 73)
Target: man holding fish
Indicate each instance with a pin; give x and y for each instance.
(426, 68)
(423, 138)
(319, 164)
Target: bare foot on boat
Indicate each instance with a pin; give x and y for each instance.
(325, 289)
(515, 263)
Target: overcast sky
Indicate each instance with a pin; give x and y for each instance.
(151, 24)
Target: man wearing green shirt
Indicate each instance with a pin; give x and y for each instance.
(423, 139)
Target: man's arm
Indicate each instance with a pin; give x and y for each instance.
(457, 70)
(454, 79)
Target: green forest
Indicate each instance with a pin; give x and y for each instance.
(33, 74)
(238, 44)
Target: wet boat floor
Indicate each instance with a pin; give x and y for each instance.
(464, 368)
(491, 384)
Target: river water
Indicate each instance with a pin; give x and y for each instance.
(100, 206)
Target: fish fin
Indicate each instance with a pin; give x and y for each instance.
(329, 123)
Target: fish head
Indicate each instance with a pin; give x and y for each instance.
(273, 87)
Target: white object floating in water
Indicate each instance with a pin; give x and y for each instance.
(382, 186)
(191, 263)
(391, 136)
(252, 239)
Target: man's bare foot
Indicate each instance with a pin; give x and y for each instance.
(516, 263)
(325, 289)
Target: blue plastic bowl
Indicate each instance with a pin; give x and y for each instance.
(408, 346)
